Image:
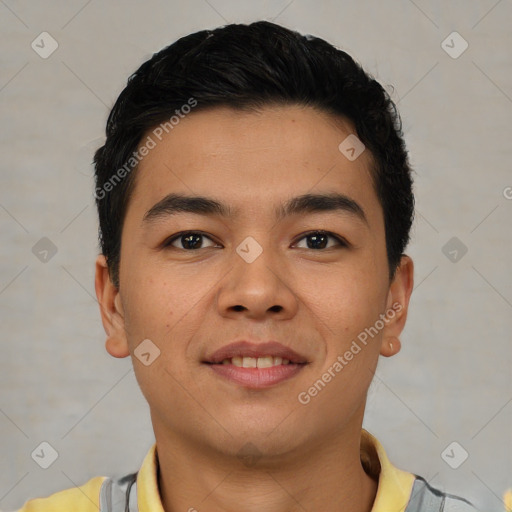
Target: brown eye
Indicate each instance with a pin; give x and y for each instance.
(320, 240)
(189, 240)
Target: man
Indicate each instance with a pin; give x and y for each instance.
(255, 199)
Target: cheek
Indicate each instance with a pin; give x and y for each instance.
(345, 306)
(167, 307)
(347, 300)
(153, 307)
(157, 311)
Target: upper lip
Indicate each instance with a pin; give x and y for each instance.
(248, 349)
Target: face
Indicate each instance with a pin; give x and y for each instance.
(260, 266)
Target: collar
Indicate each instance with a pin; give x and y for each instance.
(395, 485)
(393, 492)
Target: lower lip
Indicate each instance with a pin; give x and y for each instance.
(257, 377)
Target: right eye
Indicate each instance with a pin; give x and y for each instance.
(188, 240)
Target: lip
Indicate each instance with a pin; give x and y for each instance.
(257, 377)
(246, 348)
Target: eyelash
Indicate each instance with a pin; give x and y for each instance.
(177, 236)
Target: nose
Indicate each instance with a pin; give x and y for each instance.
(257, 289)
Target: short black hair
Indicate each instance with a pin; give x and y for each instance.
(248, 67)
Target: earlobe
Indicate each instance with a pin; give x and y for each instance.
(117, 347)
(112, 314)
(390, 346)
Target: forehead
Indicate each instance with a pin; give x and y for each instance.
(252, 160)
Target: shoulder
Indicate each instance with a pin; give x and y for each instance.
(79, 499)
(425, 498)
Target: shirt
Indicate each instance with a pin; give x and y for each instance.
(398, 490)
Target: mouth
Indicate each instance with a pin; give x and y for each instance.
(256, 365)
(256, 362)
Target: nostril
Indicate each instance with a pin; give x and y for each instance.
(275, 308)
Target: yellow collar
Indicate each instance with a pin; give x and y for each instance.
(395, 485)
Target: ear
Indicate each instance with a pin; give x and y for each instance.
(112, 314)
(397, 306)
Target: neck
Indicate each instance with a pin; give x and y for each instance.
(326, 476)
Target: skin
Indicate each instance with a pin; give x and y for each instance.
(185, 301)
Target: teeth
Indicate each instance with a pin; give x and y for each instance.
(265, 362)
(256, 362)
(249, 362)
(237, 361)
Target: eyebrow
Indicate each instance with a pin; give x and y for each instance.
(306, 203)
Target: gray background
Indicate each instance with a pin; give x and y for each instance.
(451, 382)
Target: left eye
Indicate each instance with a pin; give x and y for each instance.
(319, 240)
